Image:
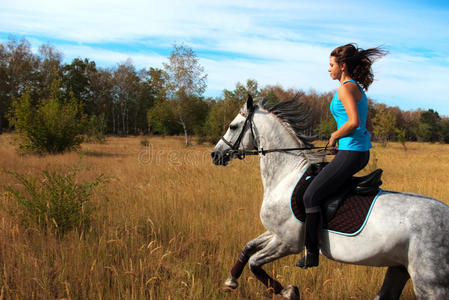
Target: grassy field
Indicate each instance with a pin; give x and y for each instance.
(169, 225)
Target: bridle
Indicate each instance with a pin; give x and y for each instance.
(235, 147)
(242, 153)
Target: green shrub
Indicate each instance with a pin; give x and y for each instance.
(145, 142)
(401, 137)
(53, 125)
(56, 201)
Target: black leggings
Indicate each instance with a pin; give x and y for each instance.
(341, 168)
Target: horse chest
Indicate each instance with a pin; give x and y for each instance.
(275, 211)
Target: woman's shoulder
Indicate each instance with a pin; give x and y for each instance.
(350, 88)
(346, 88)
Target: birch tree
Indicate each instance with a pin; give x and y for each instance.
(187, 83)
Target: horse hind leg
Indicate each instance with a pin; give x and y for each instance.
(274, 250)
(429, 261)
(431, 281)
(394, 282)
(431, 289)
(250, 248)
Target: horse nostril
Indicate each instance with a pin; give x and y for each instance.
(213, 154)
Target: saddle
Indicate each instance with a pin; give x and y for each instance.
(359, 192)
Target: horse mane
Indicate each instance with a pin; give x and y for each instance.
(294, 114)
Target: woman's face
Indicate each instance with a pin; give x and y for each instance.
(335, 69)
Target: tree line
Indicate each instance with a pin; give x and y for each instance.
(124, 100)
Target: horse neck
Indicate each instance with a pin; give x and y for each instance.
(275, 166)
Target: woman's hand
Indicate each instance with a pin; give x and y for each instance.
(333, 139)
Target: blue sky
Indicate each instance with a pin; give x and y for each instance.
(275, 42)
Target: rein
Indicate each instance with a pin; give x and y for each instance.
(242, 153)
(263, 151)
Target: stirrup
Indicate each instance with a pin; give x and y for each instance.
(311, 259)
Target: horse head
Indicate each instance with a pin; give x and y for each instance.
(238, 137)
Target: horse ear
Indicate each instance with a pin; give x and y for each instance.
(249, 103)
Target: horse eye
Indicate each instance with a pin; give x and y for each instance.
(233, 127)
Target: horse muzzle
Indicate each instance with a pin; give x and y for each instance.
(220, 158)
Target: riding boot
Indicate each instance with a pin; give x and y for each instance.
(312, 229)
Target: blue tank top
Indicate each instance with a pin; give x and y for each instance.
(359, 139)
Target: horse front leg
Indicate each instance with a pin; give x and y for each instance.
(250, 248)
(394, 282)
(273, 250)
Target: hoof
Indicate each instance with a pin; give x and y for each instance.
(230, 284)
(291, 292)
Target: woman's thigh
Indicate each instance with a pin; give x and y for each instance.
(334, 175)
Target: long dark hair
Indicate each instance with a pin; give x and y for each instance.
(358, 61)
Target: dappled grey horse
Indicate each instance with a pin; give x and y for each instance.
(408, 233)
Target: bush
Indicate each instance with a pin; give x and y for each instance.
(54, 125)
(56, 201)
(401, 137)
(145, 142)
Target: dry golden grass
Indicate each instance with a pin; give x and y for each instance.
(170, 225)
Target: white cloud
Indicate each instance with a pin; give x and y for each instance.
(411, 82)
(110, 58)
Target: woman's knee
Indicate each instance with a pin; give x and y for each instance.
(309, 198)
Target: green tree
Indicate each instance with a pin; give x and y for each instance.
(276, 93)
(223, 111)
(220, 115)
(151, 88)
(401, 137)
(384, 125)
(445, 130)
(162, 120)
(159, 83)
(125, 92)
(318, 105)
(186, 84)
(18, 73)
(96, 129)
(240, 93)
(326, 128)
(160, 116)
(423, 132)
(102, 95)
(49, 69)
(411, 122)
(55, 125)
(429, 128)
(77, 79)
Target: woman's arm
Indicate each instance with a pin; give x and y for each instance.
(347, 98)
